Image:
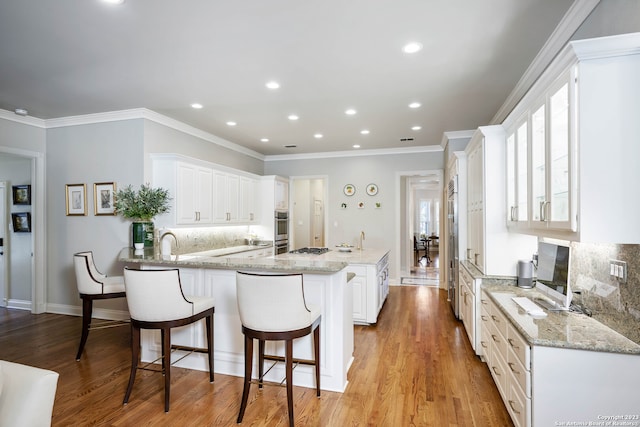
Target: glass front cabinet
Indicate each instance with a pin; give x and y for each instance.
(570, 157)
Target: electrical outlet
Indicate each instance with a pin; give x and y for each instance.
(618, 269)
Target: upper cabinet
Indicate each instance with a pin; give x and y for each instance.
(204, 194)
(570, 153)
(490, 245)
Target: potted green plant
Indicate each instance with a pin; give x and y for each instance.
(141, 206)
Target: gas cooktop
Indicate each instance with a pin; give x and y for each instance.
(313, 251)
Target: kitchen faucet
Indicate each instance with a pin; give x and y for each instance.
(168, 233)
(361, 239)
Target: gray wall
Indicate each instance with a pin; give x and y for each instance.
(611, 17)
(88, 154)
(345, 225)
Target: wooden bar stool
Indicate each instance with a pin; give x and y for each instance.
(93, 285)
(156, 301)
(273, 308)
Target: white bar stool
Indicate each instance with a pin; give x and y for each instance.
(273, 308)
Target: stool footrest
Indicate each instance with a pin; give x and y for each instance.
(294, 360)
(185, 348)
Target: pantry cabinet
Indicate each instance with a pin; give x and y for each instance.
(193, 196)
(582, 118)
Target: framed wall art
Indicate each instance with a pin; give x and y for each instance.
(21, 194)
(76, 198)
(103, 198)
(21, 222)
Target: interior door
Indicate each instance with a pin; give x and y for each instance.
(3, 244)
(318, 224)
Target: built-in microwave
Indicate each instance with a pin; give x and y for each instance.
(281, 229)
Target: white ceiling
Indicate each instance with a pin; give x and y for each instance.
(69, 57)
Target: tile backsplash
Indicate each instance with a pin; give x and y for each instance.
(611, 302)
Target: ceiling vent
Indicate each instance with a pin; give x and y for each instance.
(290, 146)
(406, 139)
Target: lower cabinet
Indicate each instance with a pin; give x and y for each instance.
(508, 356)
(469, 297)
(544, 385)
(370, 289)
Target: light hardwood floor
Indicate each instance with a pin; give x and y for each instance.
(414, 368)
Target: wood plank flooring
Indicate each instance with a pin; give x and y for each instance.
(414, 368)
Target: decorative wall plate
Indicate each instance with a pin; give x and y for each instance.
(372, 189)
(349, 190)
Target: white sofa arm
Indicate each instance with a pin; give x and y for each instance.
(26, 395)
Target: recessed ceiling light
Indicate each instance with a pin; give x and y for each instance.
(231, 123)
(196, 106)
(113, 1)
(364, 131)
(350, 112)
(21, 111)
(293, 117)
(416, 128)
(272, 85)
(264, 140)
(356, 146)
(318, 136)
(412, 47)
(415, 105)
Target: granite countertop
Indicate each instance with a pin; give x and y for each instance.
(356, 256)
(558, 329)
(216, 259)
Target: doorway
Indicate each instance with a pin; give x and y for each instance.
(307, 215)
(25, 285)
(422, 213)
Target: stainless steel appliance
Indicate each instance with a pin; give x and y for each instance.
(452, 219)
(281, 228)
(280, 247)
(312, 251)
(281, 232)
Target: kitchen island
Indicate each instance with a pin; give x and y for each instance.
(370, 267)
(325, 285)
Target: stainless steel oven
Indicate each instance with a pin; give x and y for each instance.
(281, 229)
(280, 247)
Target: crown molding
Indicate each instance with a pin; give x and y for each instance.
(460, 134)
(25, 120)
(571, 21)
(355, 153)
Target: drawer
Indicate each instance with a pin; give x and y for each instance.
(498, 343)
(358, 270)
(518, 373)
(520, 347)
(498, 369)
(499, 320)
(519, 407)
(465, 277)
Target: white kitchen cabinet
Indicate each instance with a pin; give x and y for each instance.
(203, 193)
(517, 175)
(281, 195)
(370, 289)
(194, 192)
(469, 297)
(491, 247)
(544, 385)
(583, 161)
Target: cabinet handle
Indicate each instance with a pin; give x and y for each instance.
(511, 403)
(512, 345)
(483, 302)
(197, 216)
(483, 344)
(495, 319)
(493, 337)
(251, 216)
(495, 370)
(484, 318)
(512, 369)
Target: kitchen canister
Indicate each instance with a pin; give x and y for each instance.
(525, 274)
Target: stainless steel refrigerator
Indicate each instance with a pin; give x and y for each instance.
(453, 261)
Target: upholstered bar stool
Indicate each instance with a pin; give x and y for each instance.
(156, 301)
(93, 285)
(273, 308)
